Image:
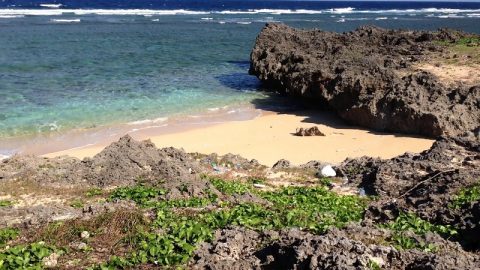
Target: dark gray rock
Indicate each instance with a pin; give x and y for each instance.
(240, 248)
(366, 77)
(282, 164)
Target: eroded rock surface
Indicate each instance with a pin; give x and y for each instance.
(124, 162)
(425, 184)
(367, 77)
(239, 248)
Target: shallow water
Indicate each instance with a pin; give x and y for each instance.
(107, 64)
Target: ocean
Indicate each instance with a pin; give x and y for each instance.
(74, 65)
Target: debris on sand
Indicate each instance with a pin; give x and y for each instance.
(313, 131)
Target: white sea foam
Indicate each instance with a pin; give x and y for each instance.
(2, 157)
(51, 5)
(381, 18)
(48, 127)
(148, 127)
(56, 12)
(341, 10)
(11, 16)
(206, 19)
(148, 121)
(244, 22)
(66, 20)
(271, 11)
(450, 16)
(82, 146)
(473, 15)
(341, 20)
(155, 20)
(358, 19)
(53, 11)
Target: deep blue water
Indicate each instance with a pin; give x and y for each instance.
(209, 5)
(80, 64)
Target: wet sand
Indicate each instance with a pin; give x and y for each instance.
(269, 138)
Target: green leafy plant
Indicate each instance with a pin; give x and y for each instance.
(372, 265)
(175, 233)
(93, 192)
(77, 203)
(230, 187)
(26, 256)
(140, 194)
(6, 203)
(315, 208)
(465, 196)
(408, 222)
(7, 234)
(468, 41)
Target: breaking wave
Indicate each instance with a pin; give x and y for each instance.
(53, 11)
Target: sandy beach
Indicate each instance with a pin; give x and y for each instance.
(269, 138)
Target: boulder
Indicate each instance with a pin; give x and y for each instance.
(367, 77)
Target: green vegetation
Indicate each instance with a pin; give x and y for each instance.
(472, 41)
(373, 265)
(230, 187)
(77, 203)
(408, 222)
(93, 192)
(140, 194)
(177, 230)
(25, 256)
(7, 234)
(466, 196)
(466, 47)
(466, 41)
(6, 203)
(315, 208)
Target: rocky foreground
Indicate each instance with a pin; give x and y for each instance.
(136, 206)
(133, 206)
(412, 82)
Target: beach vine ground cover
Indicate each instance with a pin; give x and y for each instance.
(171, 232)
(407, 223)
(312, 209)
(465, 196)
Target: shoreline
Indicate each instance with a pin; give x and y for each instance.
(42, 144)
(268, 138)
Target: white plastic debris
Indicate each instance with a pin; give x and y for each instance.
(85, 235)
(259, 185)
(328, 171)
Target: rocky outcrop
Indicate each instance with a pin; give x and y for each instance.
(425, 184)
(239, 248)
(121, 163)
(366, 76)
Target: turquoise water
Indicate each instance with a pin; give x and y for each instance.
(64, 70)
(61, 76)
